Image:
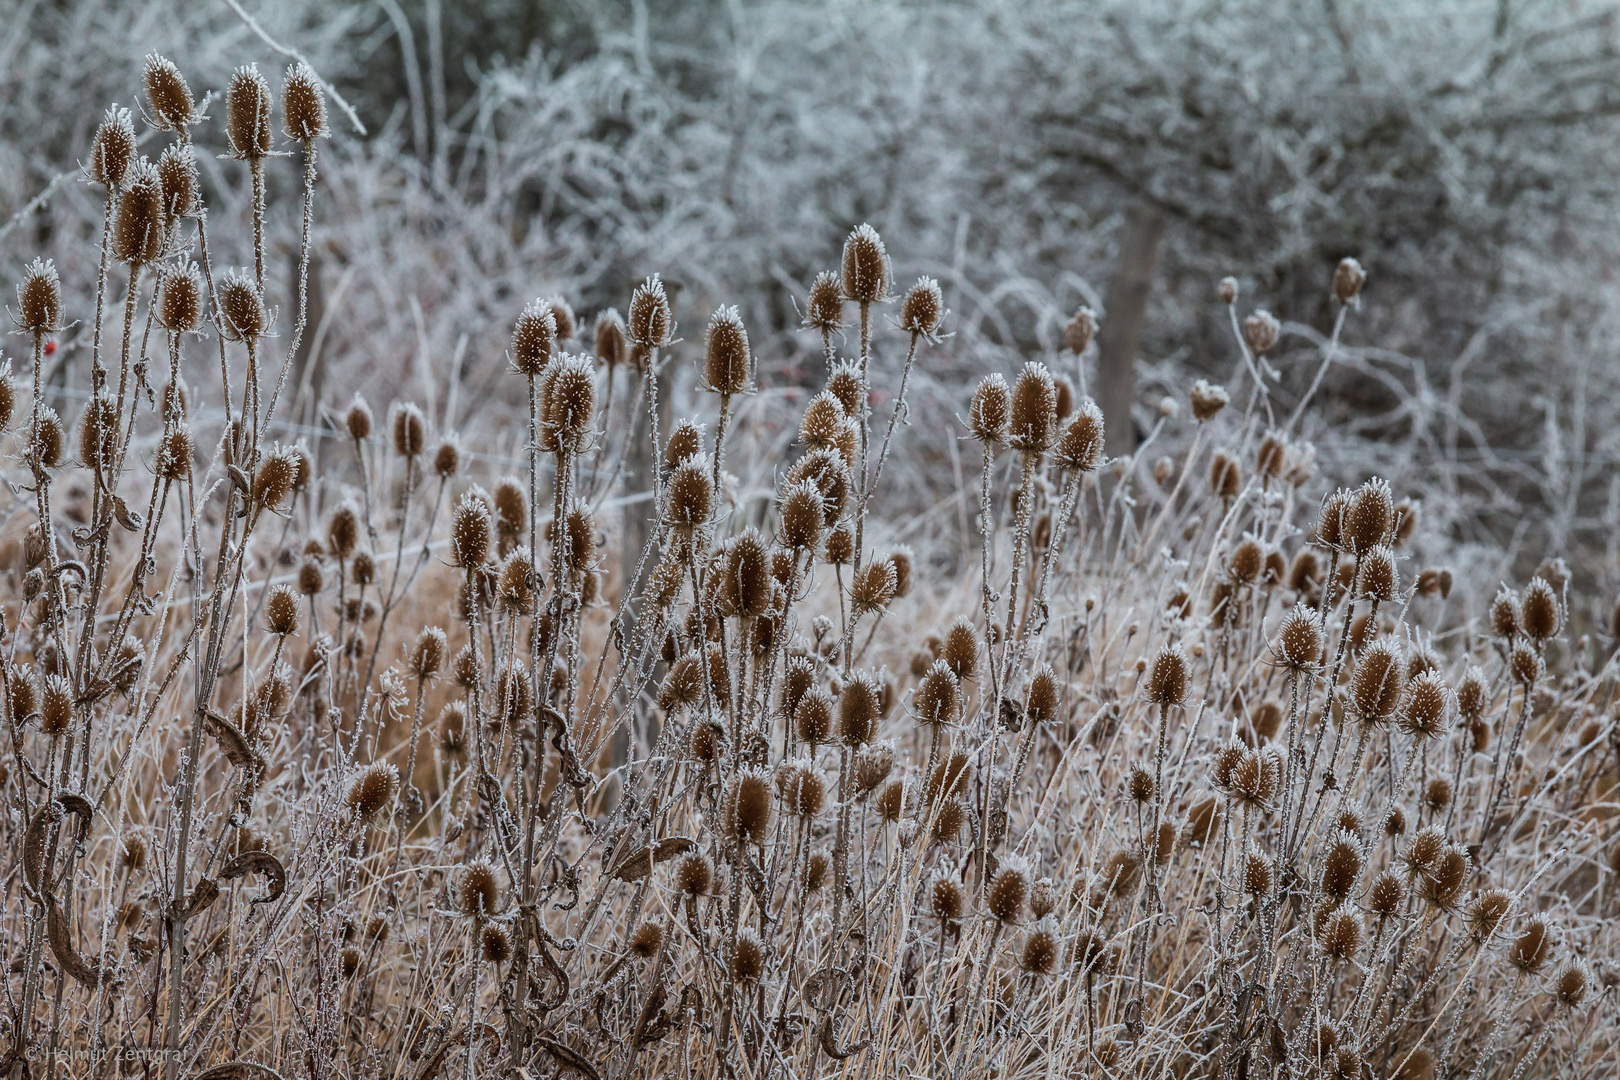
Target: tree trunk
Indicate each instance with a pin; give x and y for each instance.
(1121, 331)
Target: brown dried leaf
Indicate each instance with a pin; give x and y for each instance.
(232, 743)
(568, 1058)
(56, 930)
(638, 864)
(238, 1070)
(258, 862)
(201, 899)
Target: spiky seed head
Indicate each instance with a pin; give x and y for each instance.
(1442, 883)
(1487, 914)
(343, 531)
(1225, 476)
(923, 308)
(938, 695)
(728, 362)
(1259, 874)
(682, 686)
(1572, 984)
(358, 421)
(689, 495)
(823, 421)
(452, 727)
(1008, 889)
(1079, 330)
(748, 957)
(511, 508)
(860, 705)
(1039, 955)
(1426, 707)
(496, 945)
(867, 277)
(579, 529)
(98, 433)
(1340, 937)
(830, 473)
(801, 511)
(140, 224)
(685, 442)
(1540, 612)
(840, 548)
(1139, 785)
(534, 338)
(960, 650)
(373, 790)
(1378, 575)
(693, 874)
(1341, 867)
(804, 790)
(174, 454)
(1207, 399)
(1471, 694)
(1032, 426)
(748, 810)
(180, 299)
(824, 308)
(56, 706)
(1043, 696)
(281, 610)
(1167, 676)
(311, 579)
(1245, 562)
(1080, 449)
(1376, 685)
(647, 940)
(1260, 331)
(1348, 277)
(891, 801)
(991, 409)
(427, 655)
(273, 482)
(177, 179)
(844, 383)
(247, 113)
(874, 586)
(1505, 613)
(25, 694)
(39, 299)
(1257, 777)
(469, 532)
(1369, 517)
(303, 104)
(1526, 665)
(1298, 644)
(478, 893)
(946, 898)
(113, 150)
(568, 411)
(1532, 949)
(1386, 896)
(410, 430)
(652, 325)
(812, 717)
(950, 777)
(168, 96)
(241, 312)
(447, 459)
(872, 766)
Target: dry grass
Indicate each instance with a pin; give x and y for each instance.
(1192, 776)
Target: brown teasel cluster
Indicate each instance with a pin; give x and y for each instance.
(345, 758)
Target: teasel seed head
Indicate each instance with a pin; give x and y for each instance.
(867, 277)
(872, 766)
(1032, 426)
(844, 383)
(311, 579)
(1340, 937)
(652, 325)
(991, 409)
(180, 299)
(1243, 566)
(1426, 708)
(891, 801)
(273, 482)
(281, 610)
(177, 179)
(923, 308)
(1442, 883)
(1039, 955)
(534, 339)
(1341, 867)
(748, 957)
(728, 362)
(840, 547)
(1541, 615)
(427, 655)
(1259, 874)
(802, 515)
(824, 307)
(873, 587)
(168, 97)
(804, 790)
(1043, 695)
(410, 430)
(1378, 575)
(247, 113)
(1009, 887)
(98, 434)
(447, 459)
(1225, 476)
(1471, 696)
(1140, 786)
(1260, 331)
(689, 495)
(1167, 676)
(56, 706)
(478, 893)
(1299, 641)
(469, 532)
(39, 299)
(113, 150)
(1080, 448)
(342, 531)
(860, 706)
(748, 810)
(140, 224)
(303, 104)
(938, 696)
(1079, 330)
(1348, 277)
(373, 790)
(1488, 914)
(823, 422)
(694, 874)
(946, 899)
(1369, 517)
(241, 313)
(568, 405)
(1573, 984)
(1377, 683)
(1532, 949)
(1526, 665)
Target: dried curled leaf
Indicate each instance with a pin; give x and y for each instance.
(201, 899)
(568, 1058)
(829, 1042)
(36, 839)
(258, 862)
(232, 743)
(638, 864)
(238, 1070)
(56, 930)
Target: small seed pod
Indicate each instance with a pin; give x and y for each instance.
(685, 442)
(168, 97)
(608, 339)
(747, 812)
(373, 790)
(872, 766)
(1442, 884)
(247, 113)
(1033, 423)
(1505, 614)
(1139, 785)
(1369, 515)
(874, 586)
(946, 899)
(860, 705)
(39, 299)
(840, 549)
(1079, 330)
(98, 434)
(1572, 984)
(938, 696)
(1225, 476)
(1340, 938)
(923, 308)
(273, 482)
(568, 405)
(281, 610)
(824, 307)
(46, 440)
(342, 531)
(1245, 562)
(824, 421)
(1526, 665)
(844, 383)
(1207, 399)
(1259, 874)
(1167, 677)
(180, 301)
(1298, 644)
(1080, 448)
(693, 874)
(469, 532)
(1260, 331)
(866, 274)
(303, 104)
(1471, 699)
(804, 790)
(410, 430)
(174, 455)
(141, 222)
(991, 409)
(689, 495)
(311, 579)
(534, 339)
(177, 179)
(358, 420)
(427, 655)
(478, 894)
(1378, 575)
(748, 958)
(728, 362)
(1541, 616)
(1348, 277)
(1043, 696)
(1532, 949)
(812, 717)
(802, 514)
(652, 325)
(55, 706)
(1039, 955)
(1426, 705)
(1004, 898)
(1341, 867)
(1376, 685)
(113, 150)
(241, 314)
